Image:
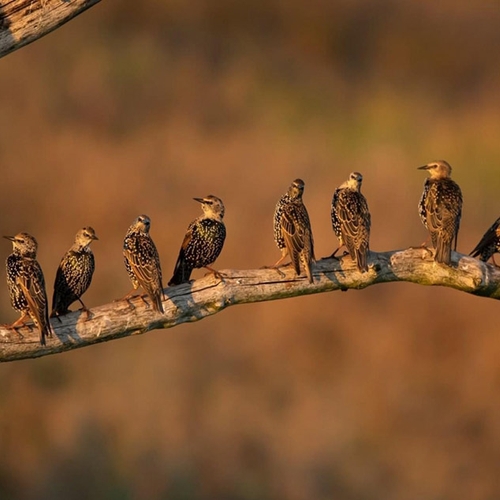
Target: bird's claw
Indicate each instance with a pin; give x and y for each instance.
(281, 273)
(88, 313)
(20, 335)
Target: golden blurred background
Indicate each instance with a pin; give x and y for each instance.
(390, 393)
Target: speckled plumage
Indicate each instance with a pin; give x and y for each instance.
(292, 229)
(203, 241)
(74, 273)
(351, 220)
(27, 285)
(440, 209)
(142, 261)
(489, 243)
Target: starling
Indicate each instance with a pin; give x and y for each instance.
(142, 261)
(351, 220)
(203, 241)
(489, 244)
(74, 274)
(440, 209)
(27, 285)
(292, 229)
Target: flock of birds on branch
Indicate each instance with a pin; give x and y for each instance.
(440, 209)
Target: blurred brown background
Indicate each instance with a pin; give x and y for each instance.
(135, 107)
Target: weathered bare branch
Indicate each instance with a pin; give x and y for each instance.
(207, 296)
(24, 21)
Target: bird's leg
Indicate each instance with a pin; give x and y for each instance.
(19, 323)
(278, 263)
(284, 254)
(493, 259)
(216, 273)
(424, 246)
(145, 301)
(276, 266)
(427, 249)
(56, 315)
(129, 294)
(127, 298)
(85, 309)
(334, 254)
(280, 260)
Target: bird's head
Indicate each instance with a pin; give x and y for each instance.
(24, 244)
(296, 189)
(85, 236)
(437, 169)
(142, 223)
(212, 206)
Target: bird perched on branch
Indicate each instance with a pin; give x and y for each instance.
(203, 241)
(143, 262)
(440, 209)
(292, 229)
(74, 273)
(351, 220)
(27, 285)
(489, 244)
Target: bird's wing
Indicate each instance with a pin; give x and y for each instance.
(145, 263)
(187, 237)
(32, 284)
(334, 213)
(444, 209)
(355, 219)
(65, 275)
(292, 230)
(489, 238)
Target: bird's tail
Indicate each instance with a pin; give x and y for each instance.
(478, 252)
(361, 259)
(443, 251)
(481, 249)
(45, 326)
(156, 297)
(307, 260)
(58, 307)
(45, 331)
(38, 311)
(41, 320)
(182, 270)
(295, 256)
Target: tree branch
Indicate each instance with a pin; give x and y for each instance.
(207, 296)
(24, 21)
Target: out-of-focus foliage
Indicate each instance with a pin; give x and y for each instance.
(135, 107)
